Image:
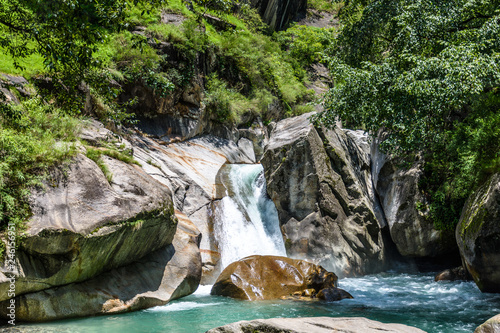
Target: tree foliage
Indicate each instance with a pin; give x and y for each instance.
(428, 72)
(64, 32)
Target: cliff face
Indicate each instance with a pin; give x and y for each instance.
(279, 13)
(321, 184)
(478, 235)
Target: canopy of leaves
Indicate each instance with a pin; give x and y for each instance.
(428, 72)
(64, 32)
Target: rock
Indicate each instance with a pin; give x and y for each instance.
(492, 325)
(320, 181)
(478, 235)
(191, 169)
(166, 274)
(13, 86)
(314, 325)
(333, 294)
(82, 225)
(278, 14)
(453, 274)
(178, 116)
(258, 136)
(271, 277)
(405, 209)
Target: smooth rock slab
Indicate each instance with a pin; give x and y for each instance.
(83, 226)
(164, 275)
(314, 325)
(492, 325)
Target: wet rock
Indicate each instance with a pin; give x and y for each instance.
(492, 325)
(320, 182)
(406, 210)
(314, 325)
(453, 274)
(166, 274)
(478, 235)
(271, 277)
(332, 294)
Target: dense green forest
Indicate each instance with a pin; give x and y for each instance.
(425, 72)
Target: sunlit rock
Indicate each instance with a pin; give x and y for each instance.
(271, 277)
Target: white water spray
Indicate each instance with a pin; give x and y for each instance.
(246, 220)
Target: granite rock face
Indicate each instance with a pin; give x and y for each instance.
(163, 275)
(82, 225)
(478, 235)
(320, 181)
(279, 13)
(405, 209)
(191, 170)
(314, 325)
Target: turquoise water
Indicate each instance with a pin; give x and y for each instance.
(412, 299)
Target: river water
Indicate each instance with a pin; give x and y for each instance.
(247, 217)
(411, 299)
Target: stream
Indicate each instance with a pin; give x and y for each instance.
(247, 223)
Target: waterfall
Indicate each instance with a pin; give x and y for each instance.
(246, 220)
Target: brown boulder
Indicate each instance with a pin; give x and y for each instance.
(333, 294)
(271, 277)
(453, 274)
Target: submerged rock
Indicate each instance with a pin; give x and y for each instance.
(478, 235)
(314, 325)
(333, 294)
(271, 277)
(492, 325)
(320, 181)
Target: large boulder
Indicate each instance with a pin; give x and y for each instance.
(278, 14)
(166, 274)
(492, 325)
(320, 181)
(271, 277)
(82, 225)
(406, 210)
(478, 235)
(314, 325)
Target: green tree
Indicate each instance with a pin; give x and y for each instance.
(64, 32)
(428, 72)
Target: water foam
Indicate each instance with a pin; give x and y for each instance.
(246, 222)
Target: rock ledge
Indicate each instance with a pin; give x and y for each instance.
(314, 325)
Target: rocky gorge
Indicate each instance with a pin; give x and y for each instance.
(142, 215)
(84, 233)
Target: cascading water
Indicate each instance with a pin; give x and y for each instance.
(246, 220)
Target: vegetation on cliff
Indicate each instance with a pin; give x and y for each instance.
(427, 72)
(79, 56)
